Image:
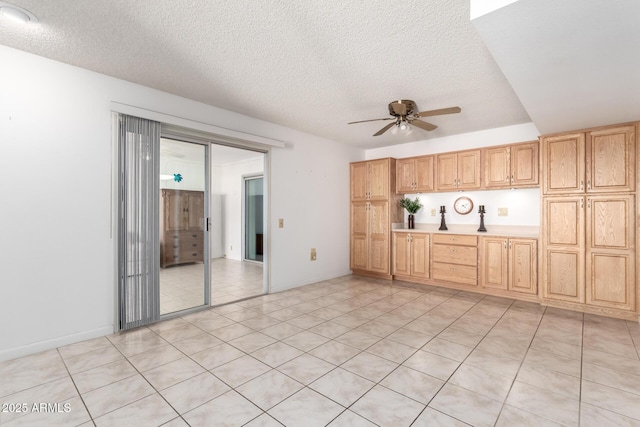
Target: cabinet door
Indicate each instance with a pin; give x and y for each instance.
(494, 265)
(447, 171)
(405, 175)
(195, 211)
(563, 275)
(359, 189)
(174, 210)
(523, 266)
(497, 169)
(379, 237)
(611, 160)
(359, 252)
(563, 221)
(424, 174)
(401, 254)
(420, 255)
(524, 165)
(379, 254)
(563, 160)
(469, 169)
(563, 264)
(610, 222)
(610, 251)
(378, 179)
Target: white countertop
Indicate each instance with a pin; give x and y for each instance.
(492, 230)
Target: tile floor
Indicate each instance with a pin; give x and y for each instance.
(346, 352)
(182, 286)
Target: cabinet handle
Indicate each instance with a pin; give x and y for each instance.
(582, 185)
(589, 185)
(505, 244)
(588, 203)
(582, 203)
(509, 245)
(512, 179)
(507, 178)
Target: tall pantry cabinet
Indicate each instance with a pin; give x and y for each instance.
(589, 210)
(374, 207)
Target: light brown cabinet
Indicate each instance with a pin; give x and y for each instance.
(415, 175)
(590, 250)
(182, 227)
(455, 258)
(509, 264)
(458, 171)
(511, 166)
(374, 206)
(597, 161)
(370, 180)
(411, 255)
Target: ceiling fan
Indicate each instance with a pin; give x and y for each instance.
(406, 113)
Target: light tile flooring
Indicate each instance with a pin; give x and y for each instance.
(182, 286)
(346, 352)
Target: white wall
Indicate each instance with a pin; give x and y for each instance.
(523, 204)
(57, 259)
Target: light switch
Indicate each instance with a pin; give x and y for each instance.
(503, 211)
(281, 223)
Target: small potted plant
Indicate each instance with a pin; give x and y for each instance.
(411, 206)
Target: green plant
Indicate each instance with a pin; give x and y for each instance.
(412, 206)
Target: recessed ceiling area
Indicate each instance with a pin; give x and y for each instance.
(573, 63)
(315, 66)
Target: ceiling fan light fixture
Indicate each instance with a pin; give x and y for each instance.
(17, 13)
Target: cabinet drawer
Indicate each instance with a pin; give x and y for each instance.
(455, 273)
(452, 254)
(455, 239)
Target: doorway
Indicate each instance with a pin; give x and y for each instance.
(253, 218)
(233, 275)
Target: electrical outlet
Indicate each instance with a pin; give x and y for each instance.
(313, 254)
(281, 223)
(503, 211)
(433, 212)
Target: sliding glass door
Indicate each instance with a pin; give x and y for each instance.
(184, 263)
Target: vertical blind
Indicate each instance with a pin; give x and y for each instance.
(138, 241)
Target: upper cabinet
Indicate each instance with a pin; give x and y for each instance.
(370, 180)
(598, 161)
(414, 175)
(458, 171)
(511, 166)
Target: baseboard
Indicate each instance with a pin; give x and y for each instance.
(289, 286)
(37, 347)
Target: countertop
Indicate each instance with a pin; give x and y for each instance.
(492, 230)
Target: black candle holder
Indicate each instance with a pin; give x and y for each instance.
(443, 224)
(481, 211)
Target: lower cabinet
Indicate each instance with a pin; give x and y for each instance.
(411, 255)
(509, 264)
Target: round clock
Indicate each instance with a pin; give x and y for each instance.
(463, 205)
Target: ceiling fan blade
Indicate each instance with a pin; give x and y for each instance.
(372, 120)
(450, 110)
(400, 108)
(423, 125)
(384, 129)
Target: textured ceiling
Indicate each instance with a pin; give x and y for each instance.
(314, 66)
(304, 64)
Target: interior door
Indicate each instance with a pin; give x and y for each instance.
(253, 218)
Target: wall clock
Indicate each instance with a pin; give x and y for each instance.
(463, 205)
